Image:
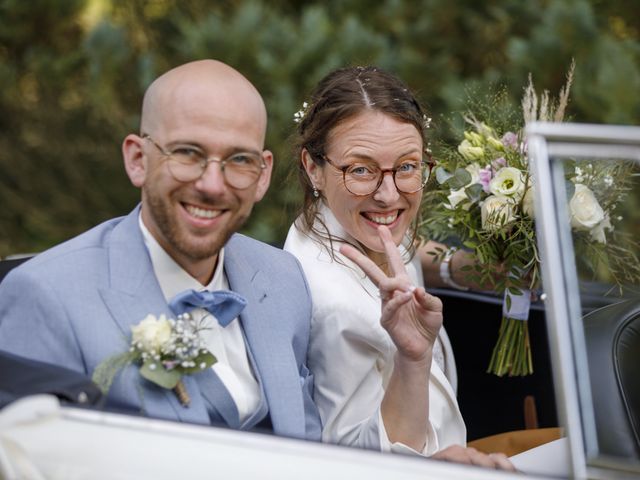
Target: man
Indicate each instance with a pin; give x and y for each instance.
(200, 163)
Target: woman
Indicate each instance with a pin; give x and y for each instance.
(363, 163)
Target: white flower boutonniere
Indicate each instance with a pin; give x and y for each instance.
(166, 349)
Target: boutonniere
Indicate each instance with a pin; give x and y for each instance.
(166, 349)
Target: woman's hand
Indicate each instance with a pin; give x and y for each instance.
(410, 315)
(471, 456)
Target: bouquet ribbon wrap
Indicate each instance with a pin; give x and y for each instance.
(512, 353)
(519, 309)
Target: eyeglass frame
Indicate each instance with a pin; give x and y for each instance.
(430, 163)
(203, 166)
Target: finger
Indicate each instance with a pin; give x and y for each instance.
(480, 459)
(427, 301)
(365, 263)
(502, 462)
(390, 284)
(396, 264)
(399, 298)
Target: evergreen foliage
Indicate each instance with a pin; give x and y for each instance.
(73, 72)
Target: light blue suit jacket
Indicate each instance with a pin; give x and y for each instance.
(74, 304)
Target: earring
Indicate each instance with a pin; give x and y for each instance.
(316, 193)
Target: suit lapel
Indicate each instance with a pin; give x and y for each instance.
(132, 294)
(275, 361)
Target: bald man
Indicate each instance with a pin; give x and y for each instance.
(200, 163)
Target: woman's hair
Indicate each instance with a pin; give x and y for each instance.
(341, 95)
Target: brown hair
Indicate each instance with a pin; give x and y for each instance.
(342, 94)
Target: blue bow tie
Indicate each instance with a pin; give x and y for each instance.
(223, 304)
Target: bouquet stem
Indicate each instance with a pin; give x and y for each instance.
(182, 394)
(512, 353)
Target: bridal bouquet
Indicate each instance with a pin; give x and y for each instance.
(166, 349)
(483, 195)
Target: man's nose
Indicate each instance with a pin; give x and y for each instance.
(212, 179)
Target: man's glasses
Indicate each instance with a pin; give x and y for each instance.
(188, 163)
(365, 178)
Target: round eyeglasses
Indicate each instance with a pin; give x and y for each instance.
(188, 163)
(361, 178)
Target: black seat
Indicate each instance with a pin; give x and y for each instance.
(613, 349)
(9, 263)
(20, 377)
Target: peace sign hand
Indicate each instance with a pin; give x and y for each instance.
(410, 315)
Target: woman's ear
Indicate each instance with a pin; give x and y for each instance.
(134, 159)
(314, 171)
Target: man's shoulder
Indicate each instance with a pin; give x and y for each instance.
(256, 248)
(72, 253)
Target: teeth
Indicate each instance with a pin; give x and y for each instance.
(383, 220)
(202, 213)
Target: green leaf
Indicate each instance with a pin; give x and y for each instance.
(206, 358)
(460, 179)
(442, 175)
(106, 371)
(160, 376)
(474, 192)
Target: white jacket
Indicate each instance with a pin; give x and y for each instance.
(351, 355)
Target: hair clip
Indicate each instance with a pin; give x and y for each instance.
(300, 114)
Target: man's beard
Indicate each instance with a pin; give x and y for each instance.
(186, 245)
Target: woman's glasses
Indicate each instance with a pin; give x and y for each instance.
(365, 178)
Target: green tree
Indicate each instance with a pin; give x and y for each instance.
(73, 73)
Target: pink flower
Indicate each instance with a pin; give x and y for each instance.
(498, 163)
(484, 177)
(510, 139)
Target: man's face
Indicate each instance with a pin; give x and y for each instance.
(193, 220)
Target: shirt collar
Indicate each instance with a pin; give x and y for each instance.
(172, 278)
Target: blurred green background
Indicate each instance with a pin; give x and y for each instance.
(73, 72)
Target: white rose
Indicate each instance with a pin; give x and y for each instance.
(528, 204)
(151, 333)
(509, 182)
(496, 211)
(469, 151)
(586, 212)
(597, 233)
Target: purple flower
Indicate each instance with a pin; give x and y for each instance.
(484, 176)
(498, 163)
(510, 139)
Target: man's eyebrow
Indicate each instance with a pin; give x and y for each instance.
(229, 151)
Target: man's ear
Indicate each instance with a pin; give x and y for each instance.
(134, 159)
(265, 177)
(314, 171)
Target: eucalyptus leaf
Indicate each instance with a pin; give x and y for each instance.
(442, 175)
(460, 179)
(206, 358)
(474, 192)
(158, 375)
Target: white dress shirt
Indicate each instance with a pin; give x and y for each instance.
(351, 355)
(226, 343)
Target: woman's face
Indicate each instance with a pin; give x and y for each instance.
(377, 139)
